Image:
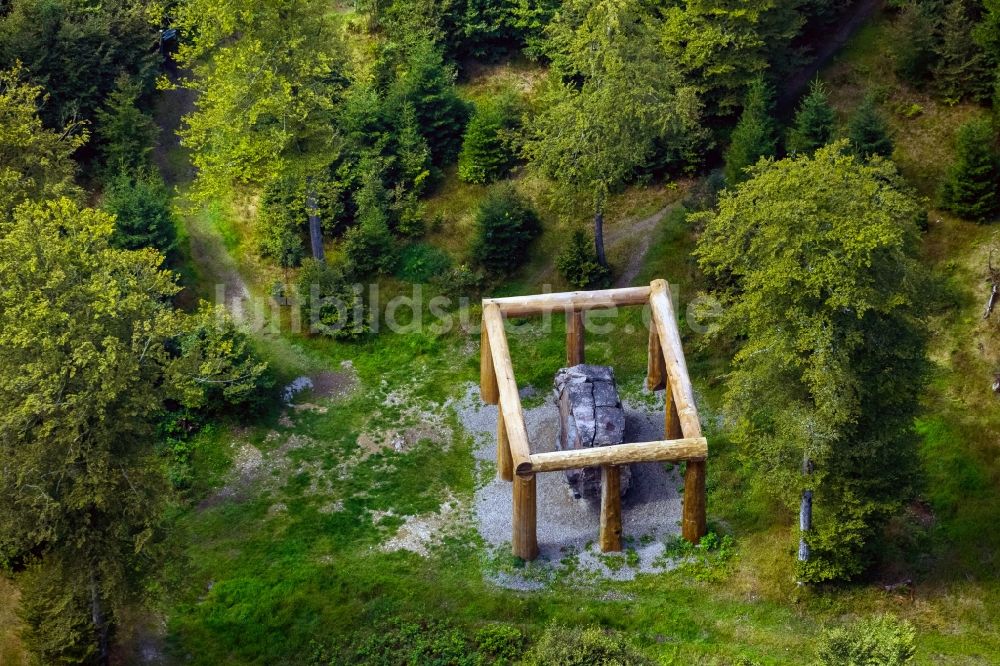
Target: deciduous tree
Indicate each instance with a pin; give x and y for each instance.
(816, 258)
(721, 46)
(35, 162)
(591, 136)
(269, 74)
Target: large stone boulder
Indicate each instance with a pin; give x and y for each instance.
(590, 414)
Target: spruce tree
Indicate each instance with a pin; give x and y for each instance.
(487, 154)
(141, 205)
(961, 70)
(913, 42)
(868, 131)
(971, 187)
(813, 127)
(753, 137)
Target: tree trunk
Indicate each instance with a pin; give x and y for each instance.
(98, 620)
(599, 238)
(805, 523)
(315, 225)
(805, 513)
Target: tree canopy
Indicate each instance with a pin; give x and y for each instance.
(816, 260)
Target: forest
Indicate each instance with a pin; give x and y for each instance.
(243, 249)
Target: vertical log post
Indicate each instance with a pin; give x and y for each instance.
(611, 509)
(574, 338)
(671, 420)
(656, 369)
(505, 463)
(489, 390)
(693, 522)
(683, 419)
(524, 539)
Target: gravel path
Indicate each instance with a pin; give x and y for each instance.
(567, 528)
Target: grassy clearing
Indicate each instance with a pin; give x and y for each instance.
(271, 577)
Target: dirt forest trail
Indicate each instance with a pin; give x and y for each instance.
(643, 232)
(218, 274)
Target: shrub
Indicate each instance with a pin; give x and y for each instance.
(217, 367)
(590, 646)
(577, 263)
(421, 262)
(487, 154)
(971, 187)
(141, 206)
(503, 643)
(331, 305)
(877, 641)
(505, 226)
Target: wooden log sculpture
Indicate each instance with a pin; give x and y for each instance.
(590, 415)
(667, 370)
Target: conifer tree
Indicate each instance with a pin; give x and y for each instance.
(961, 70)
(914, 41)
(813, 126)
(127, 134)
(868, 131)
(140, 203)
(753, 137)
(487, 154)
(972, 187)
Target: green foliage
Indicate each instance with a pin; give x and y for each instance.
(283, 216)
(503, 643)
(914, 41)
(420, 262)
(505, 226)
(577, 263)
(126, 133)
(721, 47)
(55, 610)
(76, 51)
(816, 261)
(868, 131)
(140, 203)
(590, 646)
(330, 303)
(754, 135)
(35, 163)
(217, 370)
(708, 561)
(960, 70)
(814, 122)
(878, 641)
(268, 74)
(369, 246)
(971, 188)
(427, 84)
(487, 154)
(592, 137)
(85, 330)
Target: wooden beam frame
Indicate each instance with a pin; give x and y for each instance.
(666, 368)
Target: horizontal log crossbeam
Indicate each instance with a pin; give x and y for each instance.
(671, 450)
(666, 369)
